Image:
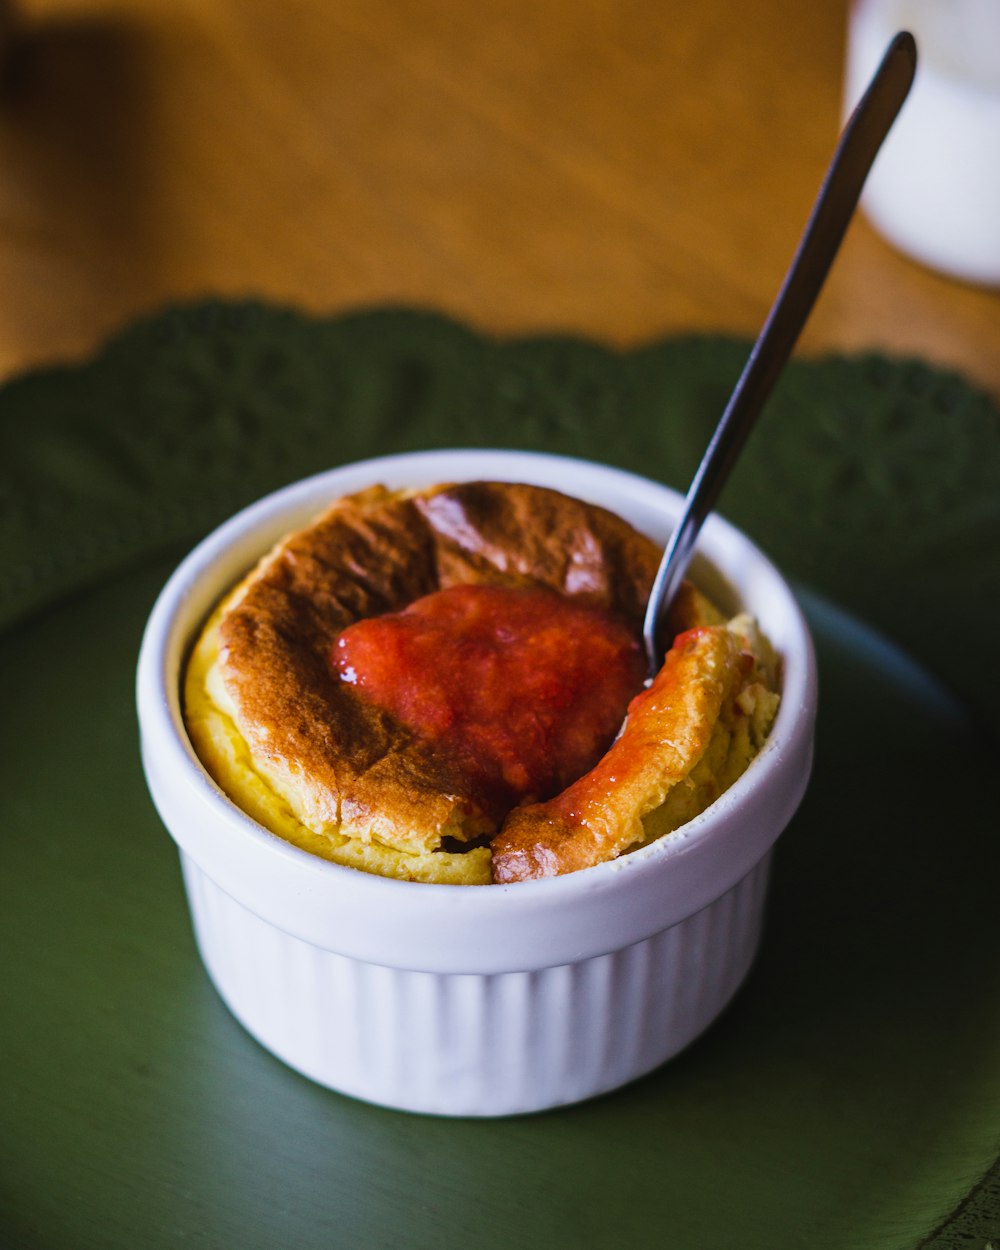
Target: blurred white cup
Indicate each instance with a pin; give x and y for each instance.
(934, 191)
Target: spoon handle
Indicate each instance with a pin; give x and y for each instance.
(838, 197)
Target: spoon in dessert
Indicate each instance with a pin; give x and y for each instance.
(838, 196)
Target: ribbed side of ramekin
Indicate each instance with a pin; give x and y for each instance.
(465, 1044)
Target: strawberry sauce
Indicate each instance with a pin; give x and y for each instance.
(522, 690)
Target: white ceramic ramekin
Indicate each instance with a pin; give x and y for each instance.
(475, 1000)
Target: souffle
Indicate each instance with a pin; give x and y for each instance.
(448, 685)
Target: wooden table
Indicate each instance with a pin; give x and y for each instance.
(620, 170)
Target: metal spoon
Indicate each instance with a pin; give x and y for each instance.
(838, 196)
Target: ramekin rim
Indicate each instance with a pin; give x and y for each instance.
(159, 699)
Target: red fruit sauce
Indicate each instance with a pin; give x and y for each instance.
(521, 689)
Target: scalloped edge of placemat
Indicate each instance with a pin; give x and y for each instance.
(873, 479)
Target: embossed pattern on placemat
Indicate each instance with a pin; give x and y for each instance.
(875, 480)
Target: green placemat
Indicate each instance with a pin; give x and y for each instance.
(874, 481)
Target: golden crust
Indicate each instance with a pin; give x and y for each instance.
(343, 767)
(686, 739)
(224, 752)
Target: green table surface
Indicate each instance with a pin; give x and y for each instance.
(849, 1097)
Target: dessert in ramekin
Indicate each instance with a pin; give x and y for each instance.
(443, 684)
(473, 1000)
